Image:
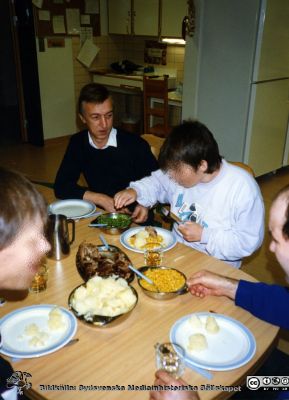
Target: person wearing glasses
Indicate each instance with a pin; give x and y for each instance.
(107, 157)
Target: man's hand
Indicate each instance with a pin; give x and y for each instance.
(140, 214)
(191, 231)
(101, 200)
(163, 378)
(205, 283)
(124, 198)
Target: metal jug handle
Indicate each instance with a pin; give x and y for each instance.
(71, 221)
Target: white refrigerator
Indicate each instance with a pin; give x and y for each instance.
(236, 78)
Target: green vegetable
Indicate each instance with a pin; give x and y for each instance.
(117, 221)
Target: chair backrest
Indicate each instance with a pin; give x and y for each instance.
(154, 88)
(155, 143)
(244, 166)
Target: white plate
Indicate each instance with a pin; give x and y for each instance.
(73, 208)
(15, 343)
(169, 238)
(233, 346)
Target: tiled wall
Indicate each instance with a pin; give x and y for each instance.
(116, 48)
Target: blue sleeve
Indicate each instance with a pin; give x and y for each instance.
(267, 302)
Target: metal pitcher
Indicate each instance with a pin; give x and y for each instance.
(57, 234)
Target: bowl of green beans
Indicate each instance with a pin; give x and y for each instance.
(114, 223)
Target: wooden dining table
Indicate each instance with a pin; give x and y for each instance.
(122, 357)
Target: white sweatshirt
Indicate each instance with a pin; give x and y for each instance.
(230, 208)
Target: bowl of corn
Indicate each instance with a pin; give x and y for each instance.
(168, 282)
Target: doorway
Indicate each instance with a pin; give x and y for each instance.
(20, 107)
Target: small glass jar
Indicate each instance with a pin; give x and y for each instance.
(39, 282)
(153, 258)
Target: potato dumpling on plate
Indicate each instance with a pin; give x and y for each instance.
(212, 325)
(197, 342)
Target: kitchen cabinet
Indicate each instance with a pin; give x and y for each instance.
(138, 17)
(119, 16)
(146, 17)
(172, 17)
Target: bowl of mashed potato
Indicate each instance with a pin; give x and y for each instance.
(103, 301)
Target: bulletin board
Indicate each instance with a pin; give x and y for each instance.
(58, 17)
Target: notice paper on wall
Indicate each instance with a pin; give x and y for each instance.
(58, 24)
(44, 15)
(73, 21)
(38, 3)
(88, 53)
(91, 6)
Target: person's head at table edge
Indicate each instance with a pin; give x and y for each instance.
(190, 154)
(95, 108)
(23, 214)
(279, 228)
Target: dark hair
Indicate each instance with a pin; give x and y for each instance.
(284, 192)
(19, 203)
(92, 93)
(190, 143)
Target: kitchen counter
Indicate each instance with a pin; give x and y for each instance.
(125, 83)
(132, 86)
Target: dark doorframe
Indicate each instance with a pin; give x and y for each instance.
(10, 126)
(20, 105)
(25, 48)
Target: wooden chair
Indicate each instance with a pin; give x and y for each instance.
(244, 166)
(155, 143)
(156, 89)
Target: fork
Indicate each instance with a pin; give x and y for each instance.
(169, 214)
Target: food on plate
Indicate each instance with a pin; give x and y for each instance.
(36, 336)
(165, 280)
(212, 325)
(56, 321)
(195, 322)
(115, 221)
(31, 330)
(197, 342)
(109, 297)
(39, 340)
(147, 239)
(39, 337)
(91, 261)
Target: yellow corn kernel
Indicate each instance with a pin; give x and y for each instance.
(166, 280)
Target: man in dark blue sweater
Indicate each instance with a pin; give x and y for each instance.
(267, 302)
(107, 157)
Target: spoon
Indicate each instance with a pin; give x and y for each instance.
(143, 276)
(97, 225)
(104, 242)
